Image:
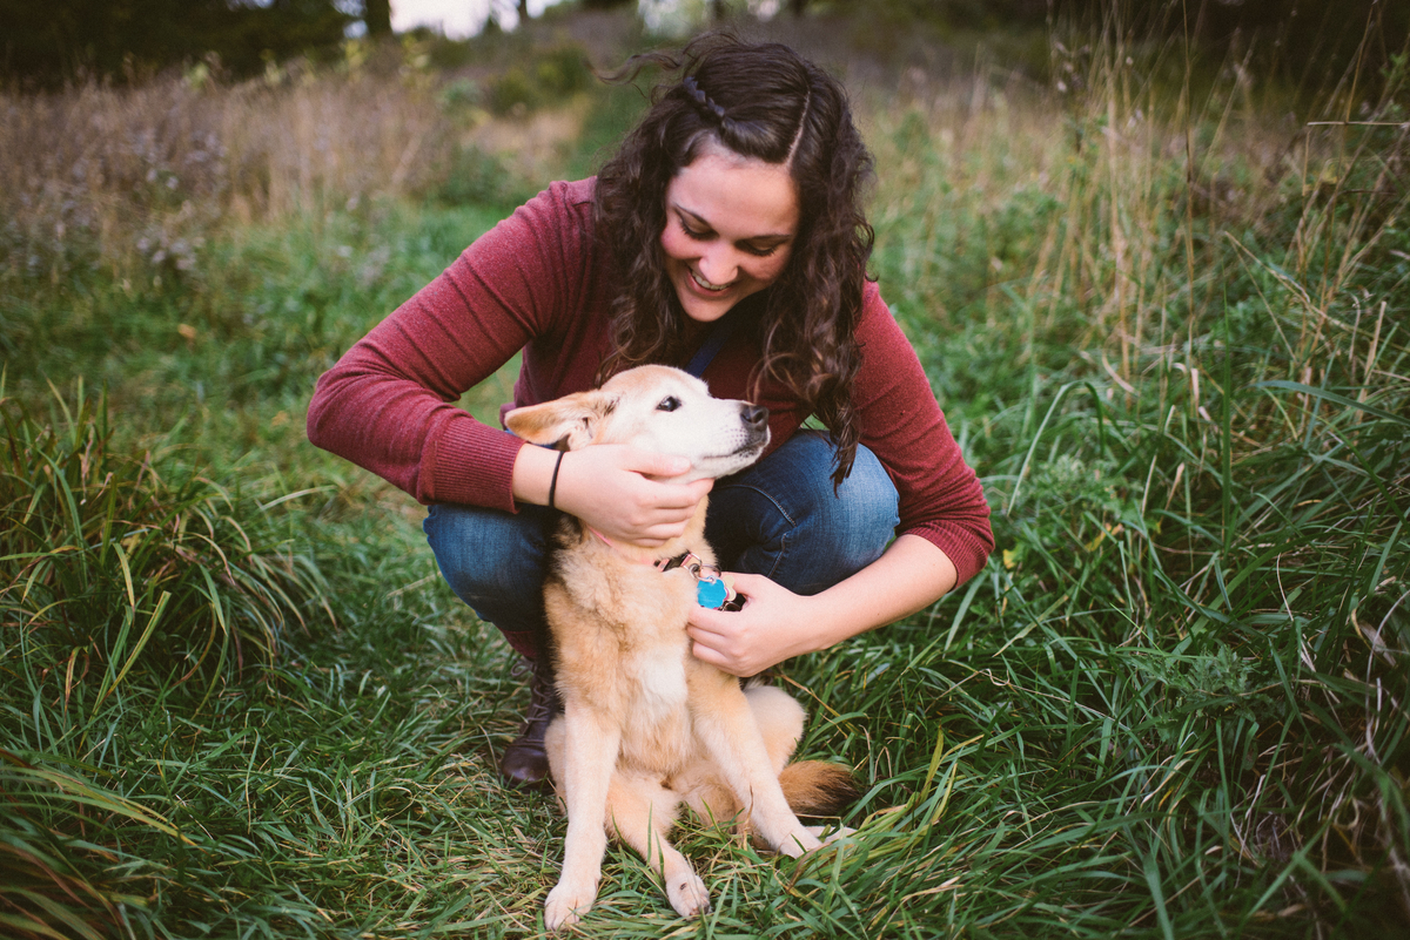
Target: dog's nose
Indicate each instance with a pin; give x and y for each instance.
(754, 416)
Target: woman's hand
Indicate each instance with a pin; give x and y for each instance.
(618, 491)
(774, 625)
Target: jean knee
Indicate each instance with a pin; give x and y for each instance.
(494, 561)
(858, 521)
(867, 503)
(785, 520)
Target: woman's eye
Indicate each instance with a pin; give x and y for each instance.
(670, 403)
(705, 235)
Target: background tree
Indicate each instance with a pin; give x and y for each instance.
(49, 43)
(377, 16)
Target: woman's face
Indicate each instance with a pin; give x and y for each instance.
(731, 222)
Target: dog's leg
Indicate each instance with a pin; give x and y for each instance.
(590, 749)
(780, 719)
(726, 727)
(642, 813)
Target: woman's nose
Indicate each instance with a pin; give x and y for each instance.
(718, 266)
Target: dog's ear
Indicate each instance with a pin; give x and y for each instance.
(569, 422)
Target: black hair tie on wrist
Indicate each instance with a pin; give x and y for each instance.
(554, 480)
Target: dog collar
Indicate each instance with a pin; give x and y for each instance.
(711, 590)
(688, 560)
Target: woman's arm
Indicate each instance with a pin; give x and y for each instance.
(945, 524)
(776, 623)
(390, 403)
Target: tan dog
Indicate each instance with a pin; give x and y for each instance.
(647, 727)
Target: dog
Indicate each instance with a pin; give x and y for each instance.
(646, 726)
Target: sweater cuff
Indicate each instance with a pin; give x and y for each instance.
(967, 550)
(473, 464)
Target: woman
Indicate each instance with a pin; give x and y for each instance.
(724, 237)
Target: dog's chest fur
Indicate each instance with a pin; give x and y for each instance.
(621, 644)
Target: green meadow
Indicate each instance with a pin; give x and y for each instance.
(1162, 297)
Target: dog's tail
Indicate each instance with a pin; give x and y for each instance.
(818, 788)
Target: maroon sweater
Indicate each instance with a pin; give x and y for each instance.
(541, 283)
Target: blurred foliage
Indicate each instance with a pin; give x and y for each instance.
(551, 76)
(47, 43)
(44, 45)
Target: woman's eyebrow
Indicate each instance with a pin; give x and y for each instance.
(683, 210)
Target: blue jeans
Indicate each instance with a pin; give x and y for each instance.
(779, 518)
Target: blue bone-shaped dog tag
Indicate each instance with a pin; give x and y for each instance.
(711, 593)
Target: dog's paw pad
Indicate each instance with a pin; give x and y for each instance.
(688, 895)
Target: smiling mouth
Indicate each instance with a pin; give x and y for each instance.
(706, 285)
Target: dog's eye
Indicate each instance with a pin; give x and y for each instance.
(670, 403)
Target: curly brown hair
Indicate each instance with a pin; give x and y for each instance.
(760, 100)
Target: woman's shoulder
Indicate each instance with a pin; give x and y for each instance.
(559, 218)
(554, 226)
(578, 192)
(572, 197)
(877, 325)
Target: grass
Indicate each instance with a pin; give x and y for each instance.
(1167, 318)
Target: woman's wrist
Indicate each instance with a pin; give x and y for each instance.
(821, 624)
(536, 470)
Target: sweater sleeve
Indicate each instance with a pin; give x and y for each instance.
(389, 404)
(940, 497)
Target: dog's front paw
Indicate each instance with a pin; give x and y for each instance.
(798, 842)
(688, 894)
(837, 833)
(566, 904)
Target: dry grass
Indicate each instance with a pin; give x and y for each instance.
(1130, 178)
(138, 179)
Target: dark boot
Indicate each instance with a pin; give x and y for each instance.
(525, 763)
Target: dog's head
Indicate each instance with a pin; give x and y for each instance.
(656, 408)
